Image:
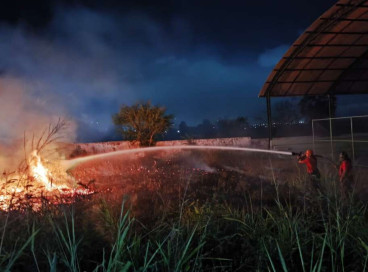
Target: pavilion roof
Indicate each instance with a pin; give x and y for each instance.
(330, 57)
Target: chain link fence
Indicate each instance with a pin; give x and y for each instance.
(350, 134)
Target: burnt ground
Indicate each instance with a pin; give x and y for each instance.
(155, 182)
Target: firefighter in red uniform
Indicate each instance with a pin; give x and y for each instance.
(345, 174)
(311, 162)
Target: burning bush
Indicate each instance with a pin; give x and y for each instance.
(38, 181)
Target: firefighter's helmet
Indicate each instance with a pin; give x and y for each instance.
(309, 152)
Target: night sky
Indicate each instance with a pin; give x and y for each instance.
(199, 59)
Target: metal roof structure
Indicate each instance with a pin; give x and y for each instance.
(329, 58)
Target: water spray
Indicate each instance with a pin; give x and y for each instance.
(70, 164)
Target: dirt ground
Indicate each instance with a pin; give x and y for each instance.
(163, 179)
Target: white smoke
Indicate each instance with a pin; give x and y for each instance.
(25, 112)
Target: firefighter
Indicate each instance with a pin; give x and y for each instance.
(345, 174)
(310, 160)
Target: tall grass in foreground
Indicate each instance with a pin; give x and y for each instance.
(10, 254)
(320, 233)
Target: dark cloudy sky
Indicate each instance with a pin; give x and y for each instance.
(199, 59)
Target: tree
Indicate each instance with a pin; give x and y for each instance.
(142, 122)
(315, 107)
(286, 112)
(233, 127)
(183, 129)
(206, 129)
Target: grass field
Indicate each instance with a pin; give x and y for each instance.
(193, 211)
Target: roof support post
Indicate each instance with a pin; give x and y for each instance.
(330, 116)
(269, 120)
(352, 139)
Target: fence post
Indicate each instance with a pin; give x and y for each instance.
(331, 141)
(314, 148)
(352, 139)
(269, 120)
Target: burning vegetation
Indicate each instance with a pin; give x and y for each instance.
(39, 179)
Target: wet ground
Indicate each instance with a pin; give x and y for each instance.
(204, 172)
(162, 179)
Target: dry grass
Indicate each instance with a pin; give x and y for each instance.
(192, 211)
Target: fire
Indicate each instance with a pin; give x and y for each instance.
(42, 182)
(38, 171)
(41, 174)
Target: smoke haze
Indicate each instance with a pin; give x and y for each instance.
(95, 61)
(84, 62)
(25, 112)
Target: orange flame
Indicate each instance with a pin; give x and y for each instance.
(41, 174)
(33, 188)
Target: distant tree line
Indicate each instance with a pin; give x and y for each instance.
(307, 109)
(238, 127)
(145, 123)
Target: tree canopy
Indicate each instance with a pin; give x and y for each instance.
(316, 107)
(142, 122)
(286, 112)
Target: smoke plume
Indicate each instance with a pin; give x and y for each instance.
(25, 113)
